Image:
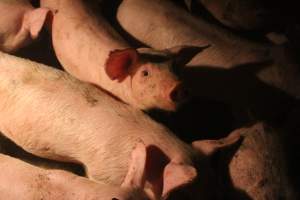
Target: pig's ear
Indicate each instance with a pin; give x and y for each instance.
(184, 54)
(35, 19)
(136, 172)
(151, 171)
(176, 176)
(120, 63)
(209, 147)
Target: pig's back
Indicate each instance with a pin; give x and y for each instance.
(163, 25)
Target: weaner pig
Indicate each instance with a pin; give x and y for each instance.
(22, 181)
(163, 24)
(90, 49)
(258, 169)
(38, 113)
(19, 23)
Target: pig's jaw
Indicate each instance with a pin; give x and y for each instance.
(125, 92)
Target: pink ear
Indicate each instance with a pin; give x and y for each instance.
(120, 62)
(35, 20)
(209, 147)
(136, 172)
(176, 176)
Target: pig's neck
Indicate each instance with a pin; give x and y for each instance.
(121, 90)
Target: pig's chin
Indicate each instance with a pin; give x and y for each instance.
(169, 106)
(162, 104)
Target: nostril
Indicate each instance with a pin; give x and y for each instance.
(179, 94)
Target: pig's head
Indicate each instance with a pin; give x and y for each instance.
(154, 82)
(206, 186)
(152, 177)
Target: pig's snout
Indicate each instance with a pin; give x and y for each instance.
(179, 94)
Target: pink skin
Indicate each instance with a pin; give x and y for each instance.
(162, 24)
(33, 183)
(259, 166)
(97, 131)
(19, 23)
(85, 44)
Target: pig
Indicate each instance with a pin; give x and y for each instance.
(58, 117)
(162, 24)
(91, 50)
(259, 166)
(20, 23)
(34, 183)
(249, 15)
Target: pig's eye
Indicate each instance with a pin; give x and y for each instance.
(145, 73)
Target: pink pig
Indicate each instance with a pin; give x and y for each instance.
(33, 183)
(163, 24)
(19, 23)
(90, 49)
(51, 114)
